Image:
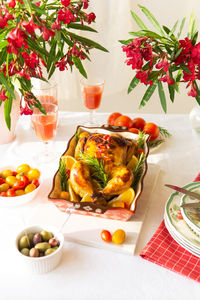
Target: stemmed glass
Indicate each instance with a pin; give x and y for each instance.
(45, 128)
(92, 91)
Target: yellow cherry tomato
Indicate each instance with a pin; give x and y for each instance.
(64, 195)
(19, 192)
(118, 236)
(29, 188)
(23, 168)
(33, 174)
(6, 173)
(19, 175)
(11, 180)
(4, 187)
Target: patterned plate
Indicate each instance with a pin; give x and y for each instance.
(192, 216)
(175, 220)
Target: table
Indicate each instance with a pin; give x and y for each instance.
(89, 273)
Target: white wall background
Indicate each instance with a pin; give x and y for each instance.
(113, 22)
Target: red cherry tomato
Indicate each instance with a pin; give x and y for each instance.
(151, 129)
(134, 130)
(10, 193)
(2, 181)
(139, 151)
(139, 123)
(106, 236)
(124, 121)
(113, 117)
(25, 179)
(35, 182)
(3, 194)
(14, 173)
(19, 185)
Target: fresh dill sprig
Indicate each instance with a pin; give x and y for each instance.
(77, 135)
(96, 167)
(138, 170)
(164, 132)
(141, 139)
(63, 175)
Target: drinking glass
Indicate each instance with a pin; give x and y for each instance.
(45, 128)
(46, 92)
(92, 91)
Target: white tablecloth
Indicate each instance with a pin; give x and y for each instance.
(89, 273)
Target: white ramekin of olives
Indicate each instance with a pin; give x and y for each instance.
(40, 248)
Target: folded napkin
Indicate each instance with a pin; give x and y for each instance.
(163, 250)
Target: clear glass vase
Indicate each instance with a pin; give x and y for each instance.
(195, 118)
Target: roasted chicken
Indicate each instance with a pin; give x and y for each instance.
(112, 151)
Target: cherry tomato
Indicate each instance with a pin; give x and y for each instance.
(139, 123)
(19, 192)
(151, 129)
(113, 117)
(118, 236)
(3, 194)
(6, 173)
(11, 180)
(14, 173)
(4, 187)
(33, 174)
(2, 180)
(10, 193)
(134, 130)
(106, 236)
(19, 185)
(36, 182)
(124, 121)
(19, 175)
(23, 168)
(139, 151)
(25, 179)
(29, 188)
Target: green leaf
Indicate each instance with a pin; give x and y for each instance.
(194, 39)
(87, 41)
(52, 54)
(79, 65)
(190, 25)
(152, 19)
(138, 20)
(181, 27)
(153, 74)
(133, 84)
(174, 28)
(178, 53)
(125, 42)
(171, 89)
(81, 27)
(28, 6)
(51, 71)
(169, 33)
(149, 92)
(7, 111)
(161, 93)
(8, 87)
(185, 69)
(39, 10)
(35, 46)
(193, 30)
(3, 44)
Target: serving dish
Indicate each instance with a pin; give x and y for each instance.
(94, 208)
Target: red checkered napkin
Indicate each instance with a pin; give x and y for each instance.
(163, 250)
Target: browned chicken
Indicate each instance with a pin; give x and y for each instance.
(112, 151)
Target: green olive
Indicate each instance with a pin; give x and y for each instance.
(24, 242)
(25, 251)
(49, 251)
(55, 248)
(30, 237)
(46, 235)
(42, 247)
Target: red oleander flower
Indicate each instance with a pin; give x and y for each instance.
(26, 110)
(85, 4)
(30, 26)
(65, 2)
(3, 97)
(193, 91)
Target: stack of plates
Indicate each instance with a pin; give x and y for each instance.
(178, 221)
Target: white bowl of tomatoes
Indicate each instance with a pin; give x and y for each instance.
(18, 184)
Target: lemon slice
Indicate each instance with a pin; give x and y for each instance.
(133, 163)
(87, 198)
(117, 204)
(73, 196)
(126, 197)
(69, 161)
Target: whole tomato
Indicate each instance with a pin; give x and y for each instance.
(151, 129)
(2, 180)
(139, 123)
(118, 236)
(134, 130)
(25, 179)
(33, 174)
(23, 168)
(3, 194)
(124, 121)
(113, 117)
(35, 182)
(19, 185)
(11, 193)
(106, 236)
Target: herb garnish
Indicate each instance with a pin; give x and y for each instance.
(63, 175)
(138, 170)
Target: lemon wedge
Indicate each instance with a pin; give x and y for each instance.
(133, 163)
(73, 196)
(69, 161)
(87, 198)
(126, 197)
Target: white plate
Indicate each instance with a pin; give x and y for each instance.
(192, 217)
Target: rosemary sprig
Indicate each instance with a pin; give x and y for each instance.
(141, 140)
(77, 135)
(96, 167)
(153, 144)
(164, 132)
(63, 175)
(138, 170)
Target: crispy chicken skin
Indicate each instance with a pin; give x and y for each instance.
(113, 151)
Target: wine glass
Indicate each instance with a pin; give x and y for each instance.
(46, 92)
(92, 90)
(45, 128)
